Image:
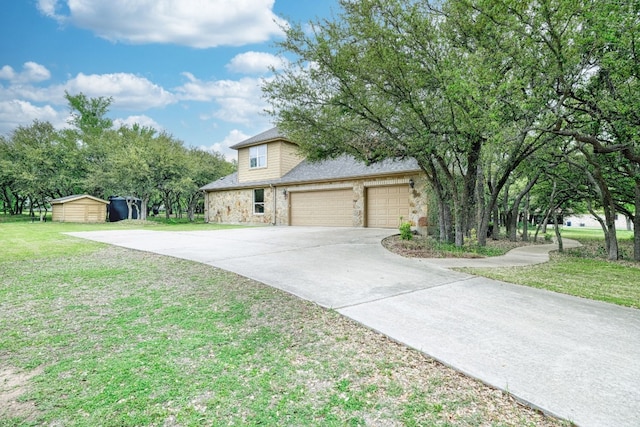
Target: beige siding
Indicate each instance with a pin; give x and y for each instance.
(333, 208)
(289, 157)
(82, 210)
(56, 212)
(271, 171)
(281, 158)
(386, 205)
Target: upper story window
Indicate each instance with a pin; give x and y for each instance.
(258, 156)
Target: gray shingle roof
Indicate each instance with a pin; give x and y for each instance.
(346, 167)
(343, 167)
(269, 135)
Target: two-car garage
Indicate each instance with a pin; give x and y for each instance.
(384, 206)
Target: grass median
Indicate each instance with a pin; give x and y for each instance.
(92, 334)
(583, 272)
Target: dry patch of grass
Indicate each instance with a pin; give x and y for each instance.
(14, 383)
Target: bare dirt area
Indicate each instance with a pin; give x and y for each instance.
(13, 384)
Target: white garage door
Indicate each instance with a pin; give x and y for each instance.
(385, 206)
(328, 208)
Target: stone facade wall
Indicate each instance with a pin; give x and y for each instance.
(236, 206)
(419, 203)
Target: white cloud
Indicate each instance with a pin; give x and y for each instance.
(144, 121)
(222, 147)
(195, 23)
(48, 7)
(21, 103)
(16, 113)
(128, 91)
(198, 90)
(239, 101)
(255, 63)
(240, 110)
(31, 73)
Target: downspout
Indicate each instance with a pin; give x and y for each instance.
(275, 203)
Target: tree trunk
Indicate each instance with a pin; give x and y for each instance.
(558, 234)
(636, 223)
(525, 219)
(495, 231)
(505, 210)
(142, 215)
(469, 199)
(8, 202)
(459, 225)
(512, 216)
(552, 208)
(609, 224)
(167, 204)
(610, 237)
(482, 216)
(130, 204)
(444, 209)
(23, 200)
(191, 208)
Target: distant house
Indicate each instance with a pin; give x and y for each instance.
(79, 208)
(589, 221)
(275, 185)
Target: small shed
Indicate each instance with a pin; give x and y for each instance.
(79, 208)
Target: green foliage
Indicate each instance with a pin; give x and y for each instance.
(405, 230)
(39, 163)
(88, 114)
(473, 90)
(473, 238)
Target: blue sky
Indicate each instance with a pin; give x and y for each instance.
(189, 67)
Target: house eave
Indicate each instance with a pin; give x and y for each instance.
(285, 183)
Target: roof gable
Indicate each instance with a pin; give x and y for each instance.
(76, 197)
(272, 134)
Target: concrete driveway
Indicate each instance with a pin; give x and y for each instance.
(572, 357)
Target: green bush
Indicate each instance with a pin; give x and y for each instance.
(405, 231)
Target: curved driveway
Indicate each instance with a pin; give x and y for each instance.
(572, 357)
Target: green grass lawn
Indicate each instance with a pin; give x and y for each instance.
(582, 272)
(92, 334)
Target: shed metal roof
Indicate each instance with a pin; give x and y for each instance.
(76, 197)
